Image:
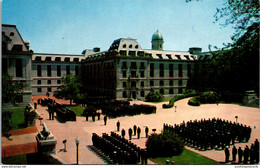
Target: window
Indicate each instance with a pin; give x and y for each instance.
(161, 83)
(162, 91)
(124, 84)
(180, 70)
(133, 84)
(171, 91)
(132, 53)
(180, 82)
(124, 65)
(142, 65)
(133, 74)
(57, 59)
(171, 82)
(122, 53)
(67, 69)
(124, 46)
(48, 59)
(49, 82)
(5, 66)
(152, 70)
(39, 89)
(130, 46)
(170, 70)
(151, 83)
(136, 46)
(142, 83)
(124, 74)
(39, 82)
(159, 55)
(19, 67)
(58, 81)
(169, 56)
(39, 70)
(180, 91)
(76, 60)
(38, 58)
(161, 70)
(67, 59)
(133, 65)
(76, 70)
(48, 70)
(58, 70)
(49, 89)
(142, 93)
(189, 70)
(12, 34)
(124, 94)
(142, 74)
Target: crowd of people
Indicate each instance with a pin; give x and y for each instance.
(212, 133)
(120, 150)
(248, 155)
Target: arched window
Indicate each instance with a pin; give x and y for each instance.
(136, 46)
(130, 46)
(12, 34)
(124, 46)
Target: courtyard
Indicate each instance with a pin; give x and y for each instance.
(83, 129)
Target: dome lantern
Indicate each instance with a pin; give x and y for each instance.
(157, 41)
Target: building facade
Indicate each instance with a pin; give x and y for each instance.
(124, 71)
(128, 71)
(16, 61)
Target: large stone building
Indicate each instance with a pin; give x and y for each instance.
(128, 71)
(16, 61)
(124, 71)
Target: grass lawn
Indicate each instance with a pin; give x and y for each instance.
(78, 109)
(20, 159)
(186, 158)
(17, 118)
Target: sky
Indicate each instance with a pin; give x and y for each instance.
(70, 26)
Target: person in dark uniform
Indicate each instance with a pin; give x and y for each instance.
(105, 120)
(123, 133)
(86, 116)
(246, 154)
(234, 153)
(98, 115)
(240, 155)
(146, 131)
(135, 128)
(93, 117)
(256, 151)
(130, 131)
(118, 125)
(227, 154)
(252, 155)
(138, 132)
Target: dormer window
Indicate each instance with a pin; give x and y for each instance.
(67, 59)
(48, 59)
(169, 56)
(124, 46)
(76, 60)
(57, 59)
(38, 58)
(159, 55)
(136, 46)
(130, 46)
(12, 34)
(178, 56)
(187, 57)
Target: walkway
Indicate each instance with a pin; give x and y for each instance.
(84, 129)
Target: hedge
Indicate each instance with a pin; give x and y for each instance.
(188, 93)
(204, 98)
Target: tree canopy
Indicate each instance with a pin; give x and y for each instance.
(11, 89)
(69, 89)
(235, 66)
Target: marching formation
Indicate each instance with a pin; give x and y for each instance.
(212, 133)
(120, 150)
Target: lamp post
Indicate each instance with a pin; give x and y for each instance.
(236, 118)
(77, 144)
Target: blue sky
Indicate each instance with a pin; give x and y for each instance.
(70, 26)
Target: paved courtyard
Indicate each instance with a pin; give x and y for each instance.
(84, 129)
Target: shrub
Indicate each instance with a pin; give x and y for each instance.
(6, 122)
(194, 101)
(164, 145)
(188, 93)
(154, 97)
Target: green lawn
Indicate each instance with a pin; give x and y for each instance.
(186, 158)
(78, 109)
(17, 118)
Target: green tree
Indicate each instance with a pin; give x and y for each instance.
(154, 96)
(165, 144)
(11, 89)
(235, 66)
(69, 89)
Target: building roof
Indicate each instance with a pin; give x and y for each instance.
(157, 36)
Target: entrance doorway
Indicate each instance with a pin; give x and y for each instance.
(133, 94)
